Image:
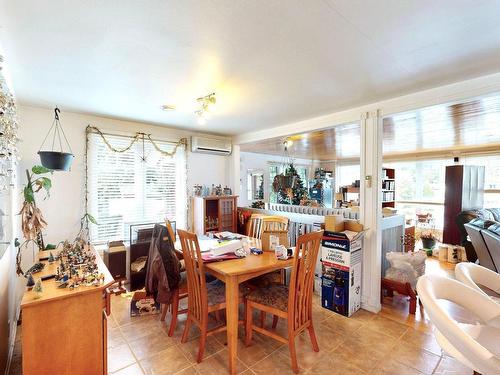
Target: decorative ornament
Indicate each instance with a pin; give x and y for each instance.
(38, 289)
(8, 134)
(56, 160)
(30, 281)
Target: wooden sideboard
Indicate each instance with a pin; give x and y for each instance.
(65, 331)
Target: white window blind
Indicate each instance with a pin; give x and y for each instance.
(125, 189)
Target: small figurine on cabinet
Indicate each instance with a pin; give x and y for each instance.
(51, 258)
(38, 289)
(197, 190)
(31, 282)
(227, 191)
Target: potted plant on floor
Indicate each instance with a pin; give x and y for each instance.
(429, 239)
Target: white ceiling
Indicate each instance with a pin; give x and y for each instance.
(270, 62)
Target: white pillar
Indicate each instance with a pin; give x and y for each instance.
(234, 170)
(371, 208)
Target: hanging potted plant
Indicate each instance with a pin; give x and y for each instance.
(52, 159)
(287, 179)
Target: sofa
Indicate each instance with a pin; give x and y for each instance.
(485, 237)
(489, 214)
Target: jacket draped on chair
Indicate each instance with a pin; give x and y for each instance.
(163, 269)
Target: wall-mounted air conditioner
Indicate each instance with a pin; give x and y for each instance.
(211, 145)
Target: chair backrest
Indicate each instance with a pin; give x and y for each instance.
(483, 254)
(254, 226)
(197, 301)
(274, 223)
(432, 288)
(302, 279)
(472, 274)
(492, 240)
(170, 229)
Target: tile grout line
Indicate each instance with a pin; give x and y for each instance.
(130, 348)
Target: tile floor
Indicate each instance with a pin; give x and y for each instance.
(391, 342)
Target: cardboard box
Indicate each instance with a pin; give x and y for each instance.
(334, 223)
(341, 257)
(337, 223)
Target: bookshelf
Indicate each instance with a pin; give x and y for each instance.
(388, 187)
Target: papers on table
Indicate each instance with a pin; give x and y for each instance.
(216, 247)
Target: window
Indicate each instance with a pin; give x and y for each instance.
(420, 188)
(124, 189)
(492, 177)
(346, 174)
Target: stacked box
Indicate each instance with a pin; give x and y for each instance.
(341, 272)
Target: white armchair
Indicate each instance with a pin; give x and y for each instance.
(472, 274)
(474, 345)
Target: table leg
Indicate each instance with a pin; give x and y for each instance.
(232, 321)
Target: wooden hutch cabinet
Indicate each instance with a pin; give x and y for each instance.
(215, 214)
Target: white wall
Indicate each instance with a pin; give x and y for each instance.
(250, 160)
(65, 206)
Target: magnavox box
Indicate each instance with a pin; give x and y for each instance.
(341, 255)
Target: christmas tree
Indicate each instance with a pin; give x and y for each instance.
(295, 194)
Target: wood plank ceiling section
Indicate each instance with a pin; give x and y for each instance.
(443, 130)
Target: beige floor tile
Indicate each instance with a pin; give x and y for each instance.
(217, 364)
(275, 363)
(119, 357)
(166, 362)
(450, 366)
(188, 371)
(419, 359)
(421, 340)
(387, 326)
(306, 356)
(141, 327)
(342, 325)
(364, 360)
(261, 347)
(149, 345)
(115, 337)
(362, 316)
(130, 370)
(392, 367)
(335, 365)
(190, 348)
(368, 338)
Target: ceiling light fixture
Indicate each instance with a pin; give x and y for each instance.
(287, 143)
(206, 105)
(168, 107)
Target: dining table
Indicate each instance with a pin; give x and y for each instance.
(233, 272)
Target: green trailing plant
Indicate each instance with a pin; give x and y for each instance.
(32, 221)
(83, 236)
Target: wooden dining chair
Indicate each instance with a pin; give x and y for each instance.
(204, 297)
(271, 223)
(254, 226)
(293, 302)
(179, 293)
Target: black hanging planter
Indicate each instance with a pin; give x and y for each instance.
(56, 160)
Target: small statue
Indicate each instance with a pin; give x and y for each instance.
(38, 289)
(51, 258)
(31, 282)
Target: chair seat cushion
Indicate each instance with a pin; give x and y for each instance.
(275, 295)
(216, 291)
(267, 279)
